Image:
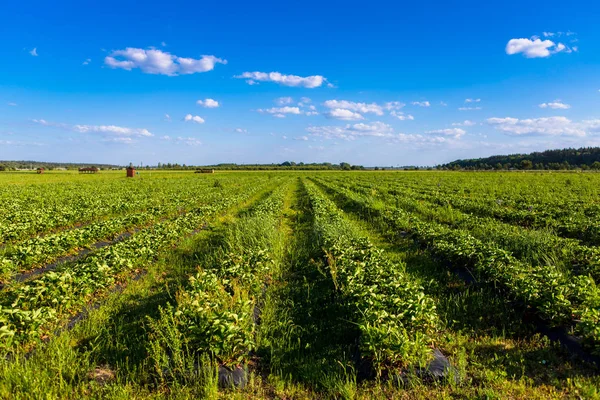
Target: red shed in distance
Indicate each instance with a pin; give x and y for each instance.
(40, 170)
(130, 171)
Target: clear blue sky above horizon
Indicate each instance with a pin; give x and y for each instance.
(380, 83)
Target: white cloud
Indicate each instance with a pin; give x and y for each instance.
(153, 61)
(194, 118)
(166, 137)
(353, 106)
(534, 47)
(401, 116)
(163, 44)
(304, 138)
(113, 130)
(454, 132)
(472, 100)
(464, 123)
(280, 112)
(343, 115)
(105, 130)
(352, 131)
(285, 80)
(87, 61)
(421, 103)
(240, 130)
(551, 126)
(167, 117)
(443, 104)
(10, 103)
(469, 108)
(393, 105)
(305, 100)
(282, 101)
(555, 105)
(34, 52)
(208, 103)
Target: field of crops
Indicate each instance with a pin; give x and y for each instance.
(297, 285)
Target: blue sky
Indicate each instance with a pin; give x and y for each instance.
(381, 83)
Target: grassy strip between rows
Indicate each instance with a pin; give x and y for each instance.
(557, 297)
(215, 315)
(397, 321)
(29, 311)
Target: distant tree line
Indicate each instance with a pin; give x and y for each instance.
(564, 159)
(287, 165)
(16, 165)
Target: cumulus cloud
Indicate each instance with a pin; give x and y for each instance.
(282, 101)
(309, 82)
(393, 105)
(280, 112)
(353, 106)
(555, 105)
(109, 132)
(87, 61)
(343, 115)
(535, 47)
(240, 130)
(401, 116)
(303, 138)
(352, 131)
(472, 100)
(193, 118)
(464, 123)
(454, 132)
(421, 103)
(469, 108)
(34, 52)
(153, 61)
(112, 129)
(551, 126)
(208, 103)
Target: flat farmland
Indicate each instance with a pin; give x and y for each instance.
(299, 284)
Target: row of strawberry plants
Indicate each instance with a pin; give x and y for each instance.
(33, 213)
(45, 249)
(396, 319)
(558, 298)
(30, 309)
(567, 219)
(535, 246)
(214, 313)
